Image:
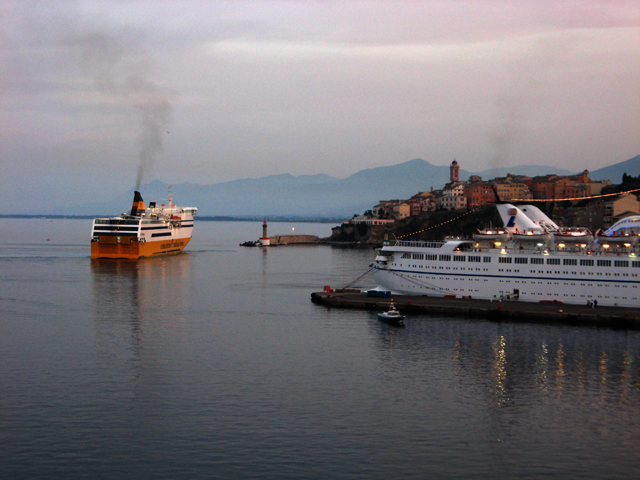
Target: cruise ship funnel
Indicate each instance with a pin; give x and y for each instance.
(138, 205)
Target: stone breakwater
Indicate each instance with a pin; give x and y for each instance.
(512, 311)
(279, 240)
(293, 239)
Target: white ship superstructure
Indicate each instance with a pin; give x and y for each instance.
(536, 262)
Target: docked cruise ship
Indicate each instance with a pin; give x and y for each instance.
(144, 231)
(530, 259)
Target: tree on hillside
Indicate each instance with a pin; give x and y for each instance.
(629, 182)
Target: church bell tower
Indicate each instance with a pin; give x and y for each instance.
(454, 170)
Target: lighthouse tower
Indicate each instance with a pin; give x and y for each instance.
(264, 240)
(454, 172)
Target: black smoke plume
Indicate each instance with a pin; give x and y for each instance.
(120, 68)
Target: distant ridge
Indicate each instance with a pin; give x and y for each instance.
(526, 170)
(614, 172)
(323, 196)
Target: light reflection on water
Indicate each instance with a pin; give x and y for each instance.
(215, 363)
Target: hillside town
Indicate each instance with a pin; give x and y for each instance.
(574, 200)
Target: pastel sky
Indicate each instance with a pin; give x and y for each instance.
(96, 95)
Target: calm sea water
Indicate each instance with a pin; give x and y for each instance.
(215, 364)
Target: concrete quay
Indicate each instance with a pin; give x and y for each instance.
(280, 240)
(512, 311)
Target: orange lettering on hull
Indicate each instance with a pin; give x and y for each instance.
(172, 245)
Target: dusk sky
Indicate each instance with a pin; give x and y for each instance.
(97, 94)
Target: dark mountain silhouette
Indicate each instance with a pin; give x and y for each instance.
(615, 172)
(317, 196)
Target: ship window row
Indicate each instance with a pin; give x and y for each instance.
(116, 222)
(521, 260)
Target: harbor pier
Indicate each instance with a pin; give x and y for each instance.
(512, 311)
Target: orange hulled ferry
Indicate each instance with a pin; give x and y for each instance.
(144, 232)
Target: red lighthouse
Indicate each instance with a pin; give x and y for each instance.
(264, 240)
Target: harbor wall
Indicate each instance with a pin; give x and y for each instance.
(293, 239)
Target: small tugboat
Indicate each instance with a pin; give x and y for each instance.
(392, 316)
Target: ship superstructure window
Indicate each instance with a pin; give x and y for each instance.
(553, 261)
(459, 258)
(537, 261)
(112, 221)
(418, 256)
(486, 259)
(445, 258)
(429, 256)
(587, 262)
(520, 260)
(570, 261)
(474, 258)
(621, 263)
(406, 255)
(604, 263)
(635, 264)
(504, 260)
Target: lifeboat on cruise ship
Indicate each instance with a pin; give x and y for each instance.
(528, 235)
(573, 235)
(492, 235)
(623, 231)
(618, 238)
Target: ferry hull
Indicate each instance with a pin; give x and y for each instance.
(132, 249)
(145, 232)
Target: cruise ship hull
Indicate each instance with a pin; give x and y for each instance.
(602, 271)
(575, 284)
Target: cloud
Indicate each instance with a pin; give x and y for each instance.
(83, 56)
(314, 86)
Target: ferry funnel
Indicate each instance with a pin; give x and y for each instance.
(138, 205)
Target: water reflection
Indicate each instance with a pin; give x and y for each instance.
(542, 365)
(532, 362)
(499, 371)
(138, 296)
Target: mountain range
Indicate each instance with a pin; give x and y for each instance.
(322, 196)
